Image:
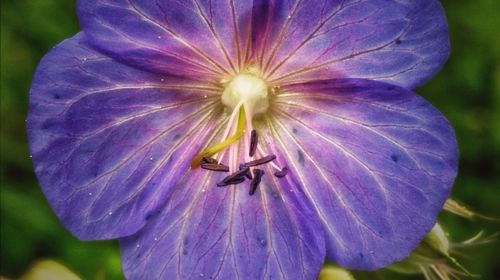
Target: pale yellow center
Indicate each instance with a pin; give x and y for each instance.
(249, 91)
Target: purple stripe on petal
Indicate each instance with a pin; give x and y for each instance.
(109, 141)
(403, 43)
(269, 18)
(376, 161)
(224, 233)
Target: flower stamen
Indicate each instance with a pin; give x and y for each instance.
(235, 177)
(253, 143)
(209, 160)
(257, 176)
(260, 161)
(245, 95)
(215, 167)
(233, 181)
(281, 173)
(249, 172)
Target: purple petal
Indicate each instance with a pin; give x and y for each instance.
(224, 233)
(290, 41)
(400, 42)
(207, 36)
(376, 160)
(109, 141)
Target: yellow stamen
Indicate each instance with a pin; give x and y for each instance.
(197, 161)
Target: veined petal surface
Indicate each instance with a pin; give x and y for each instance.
(207, 36)
(376, 161)
(290, 41)
(209, 232)
(400, 42)
(109, 141)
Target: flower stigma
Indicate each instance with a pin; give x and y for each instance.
(204, 158)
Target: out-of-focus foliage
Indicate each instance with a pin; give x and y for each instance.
(467, 91)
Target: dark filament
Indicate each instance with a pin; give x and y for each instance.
(253, 143)
(209, 160)
(281, 173)
(215, 167)
(260, 161)
(257, 175)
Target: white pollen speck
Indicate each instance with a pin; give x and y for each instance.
(90, 193)
(203, 190)
(31, 156)
(289, 17)
(150, 158)
(204, 96)
(110, 213)
(202, 275)
(163, 80)
(138, 246)
(84, 59)
(156, 238)
(159, 37)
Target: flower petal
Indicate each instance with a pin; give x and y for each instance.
(376, 160)
(109, 141)
(211, 232)
(209, 36)
(400, 42)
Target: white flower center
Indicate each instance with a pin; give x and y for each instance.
(249, 91)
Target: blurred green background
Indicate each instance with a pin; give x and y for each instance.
(467, 91)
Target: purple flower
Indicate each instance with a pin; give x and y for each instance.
(124, 113)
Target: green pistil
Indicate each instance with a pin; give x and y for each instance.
(198, 160)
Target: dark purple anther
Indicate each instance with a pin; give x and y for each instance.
(215, 167)
(210, 160)
(257, 175)
(235, 176)
(253, 143)
(281, 173)
(260, 161)
(233, 181)
(249, 172)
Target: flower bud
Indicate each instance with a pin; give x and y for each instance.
(331, 272)
(49, 269)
